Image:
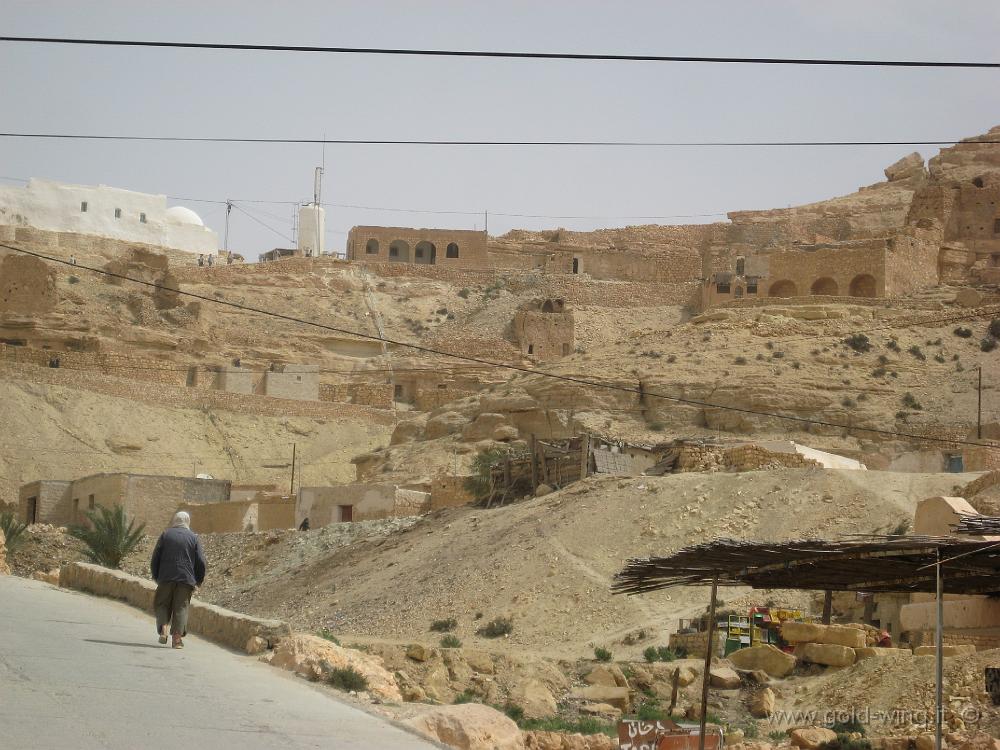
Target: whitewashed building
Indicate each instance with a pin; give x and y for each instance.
(107, 212)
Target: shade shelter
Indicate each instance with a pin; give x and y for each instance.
(860, 563)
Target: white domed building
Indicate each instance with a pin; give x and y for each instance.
(106, 212)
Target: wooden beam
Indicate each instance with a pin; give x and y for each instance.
(707, 678)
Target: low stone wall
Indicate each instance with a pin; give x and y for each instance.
(694, 643)
(213, 623)
(747, 457)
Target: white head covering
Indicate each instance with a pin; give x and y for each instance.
(181, 520)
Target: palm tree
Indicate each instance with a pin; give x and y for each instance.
(12, 530)
(110, 537)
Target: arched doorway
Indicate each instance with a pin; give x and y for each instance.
(863, 285)
(371, 247)
(452, 250)
(425, 252)
(825, 286)
(783, 288)
(399, 251)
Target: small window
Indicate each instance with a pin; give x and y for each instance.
(397, 391)
(996, 226)
(752, 288)
(531, 348)
(740, 266)
(298, 378)
(576, 265)
(91, 502)
(442, 386)
(419, 252)
(738, 293)
(142, 218)
(393, 252)
(118, 213)
(722, 288)
(371, 248)
(565, 350)
(452, 251)
(83, 207)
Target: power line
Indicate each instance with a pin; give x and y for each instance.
(576, 56)
(457, 142)
(578, 381)
(262, 223)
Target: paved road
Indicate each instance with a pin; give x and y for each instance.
(82, 672)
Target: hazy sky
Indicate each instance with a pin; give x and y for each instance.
(256, 94)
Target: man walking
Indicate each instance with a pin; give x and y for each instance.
(178, 566)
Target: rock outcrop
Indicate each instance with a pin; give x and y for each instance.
(772, 660)
(469, 726)
(315, 658)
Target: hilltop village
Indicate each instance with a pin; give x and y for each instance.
(439, 446)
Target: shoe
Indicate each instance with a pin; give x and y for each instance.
(163, 635)
(178, 643)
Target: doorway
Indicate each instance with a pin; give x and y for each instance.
(346, 513)
(31, 512)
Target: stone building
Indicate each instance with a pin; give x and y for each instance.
(149, 499)
(453, 248)
(544, 330)
(106, 212)
(358, 502)
(263, 512)
(298, 382)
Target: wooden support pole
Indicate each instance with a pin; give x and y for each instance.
(534, 463)
(827, 607)
(706, 678)
(584, 456)
(939, 672)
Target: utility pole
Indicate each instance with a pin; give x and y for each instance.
(486, 222)
(707, 677)
(291, 484)
(229, 209)
(979, 410)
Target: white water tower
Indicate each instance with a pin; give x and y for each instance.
(312, 221)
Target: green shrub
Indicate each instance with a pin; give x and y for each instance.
(848, 402)
(496, 627)
(777, 735)
(878, 372)
(584, 725)
(328, 635)
(994, 328)
(962, 332)
(480, 483)
(657, 426)
(858, 342)
(73, 279)
(650, 711)
(988, 344)
(602, 654)
(110, 537)
(893, 345)
(740, 361)
(451, 641)
(444, 626)
(910, 402)
(650, 654)
(902, 416)
(13, 530)
(939, 358)
(844, 742)
(514, 712)
(347, 679)
(917, 352)
(852, 724)
(665, 653)
(464, 293)
(466, 697)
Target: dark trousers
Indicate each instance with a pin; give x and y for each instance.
(171, 605)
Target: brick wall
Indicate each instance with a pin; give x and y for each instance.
(746, 457)
(449, 492)
(694, 643)
(469, 246)
(377, 395)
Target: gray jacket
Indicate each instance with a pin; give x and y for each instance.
(178, 557)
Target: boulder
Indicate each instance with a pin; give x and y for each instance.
(480, 661)
(602, 709)
(762, 703)
(734, 737)
(827, 654)
(874, 652)
(979, 741)
(542, 490)
(614, 696)
(505, 433)
(894, 743)
(541, 740)
(4, 569)
(255, 645)
(811, 738)
(314, 657)
(437, 684)
(725, 678)
(925, 742)
(766, 657)
(600, 675)
(536, 700)
(911, 165)
(483, 427)
(408, 430)
(447, 423)
(419, 652)
(489, 402)
(812, 632)
(469, 726)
